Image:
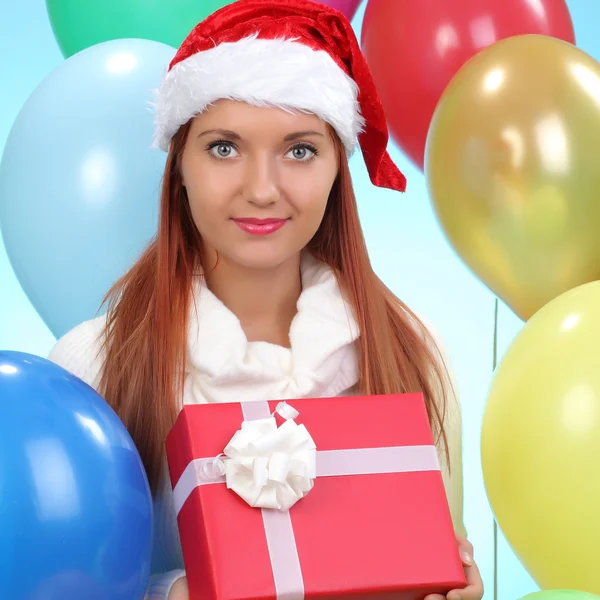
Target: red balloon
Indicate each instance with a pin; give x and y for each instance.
(414, 48)
(347, 7)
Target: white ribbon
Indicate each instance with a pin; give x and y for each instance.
(270, 466)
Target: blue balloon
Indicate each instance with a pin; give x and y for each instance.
(75, 504)
(79, 181)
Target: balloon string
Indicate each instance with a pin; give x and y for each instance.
(494, 364)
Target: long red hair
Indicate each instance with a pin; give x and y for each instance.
(145, 337)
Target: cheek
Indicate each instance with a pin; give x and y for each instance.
(314, 203)
(207, 196)
(311, 195)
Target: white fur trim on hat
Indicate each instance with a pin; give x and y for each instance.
(263, 72)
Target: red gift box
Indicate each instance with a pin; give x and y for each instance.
(381, 529)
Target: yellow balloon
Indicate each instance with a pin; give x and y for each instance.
(512, 168)
(540, 443)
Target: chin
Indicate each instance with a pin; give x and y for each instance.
(265, 258)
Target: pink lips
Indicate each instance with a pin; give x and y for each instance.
(260, 226)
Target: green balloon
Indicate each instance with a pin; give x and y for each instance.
(561, 595)
(79, 24)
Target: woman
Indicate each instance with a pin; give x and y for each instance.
(259, 279)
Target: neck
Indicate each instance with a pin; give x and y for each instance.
(264, 300)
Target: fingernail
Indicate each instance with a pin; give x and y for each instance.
(466, 558)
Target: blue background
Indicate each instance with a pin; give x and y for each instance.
(407, 247)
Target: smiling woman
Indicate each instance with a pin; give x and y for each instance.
(257, 180)
(259, 278)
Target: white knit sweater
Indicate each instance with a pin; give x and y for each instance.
(223, 367)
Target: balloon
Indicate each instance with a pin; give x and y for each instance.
(512, 168)
(79, 181)
(346, 7)
(415, 48)
(75, 505)
(78, 25)
(561, 595)
(540, 442)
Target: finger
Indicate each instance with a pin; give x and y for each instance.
(466, 557)
(469, 593)
(473, 576)
(463, 541)
(474, 589)
(465, 549)
(465, 546)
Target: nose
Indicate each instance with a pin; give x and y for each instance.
(261, 185)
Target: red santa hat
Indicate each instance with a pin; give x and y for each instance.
(293, 54)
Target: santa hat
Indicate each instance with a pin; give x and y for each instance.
(293, 54)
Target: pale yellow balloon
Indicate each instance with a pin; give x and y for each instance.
(540, 443)
(513, 168)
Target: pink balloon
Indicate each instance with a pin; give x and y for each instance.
(347, 7)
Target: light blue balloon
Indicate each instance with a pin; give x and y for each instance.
(79, 181)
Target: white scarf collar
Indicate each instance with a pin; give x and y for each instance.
(223, 366)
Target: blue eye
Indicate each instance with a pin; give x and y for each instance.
(303, 152)
(221, 149)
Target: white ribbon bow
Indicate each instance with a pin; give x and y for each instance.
(271, 467)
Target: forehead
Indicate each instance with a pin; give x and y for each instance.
(246, 119)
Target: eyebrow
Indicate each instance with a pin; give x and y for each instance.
(224, 132)
(232, 135)
(300, 134)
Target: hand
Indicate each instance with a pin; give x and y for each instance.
(474, 589)
(179, 591)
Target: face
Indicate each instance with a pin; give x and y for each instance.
(257, 180)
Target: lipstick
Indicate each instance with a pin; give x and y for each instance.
(259, 226)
